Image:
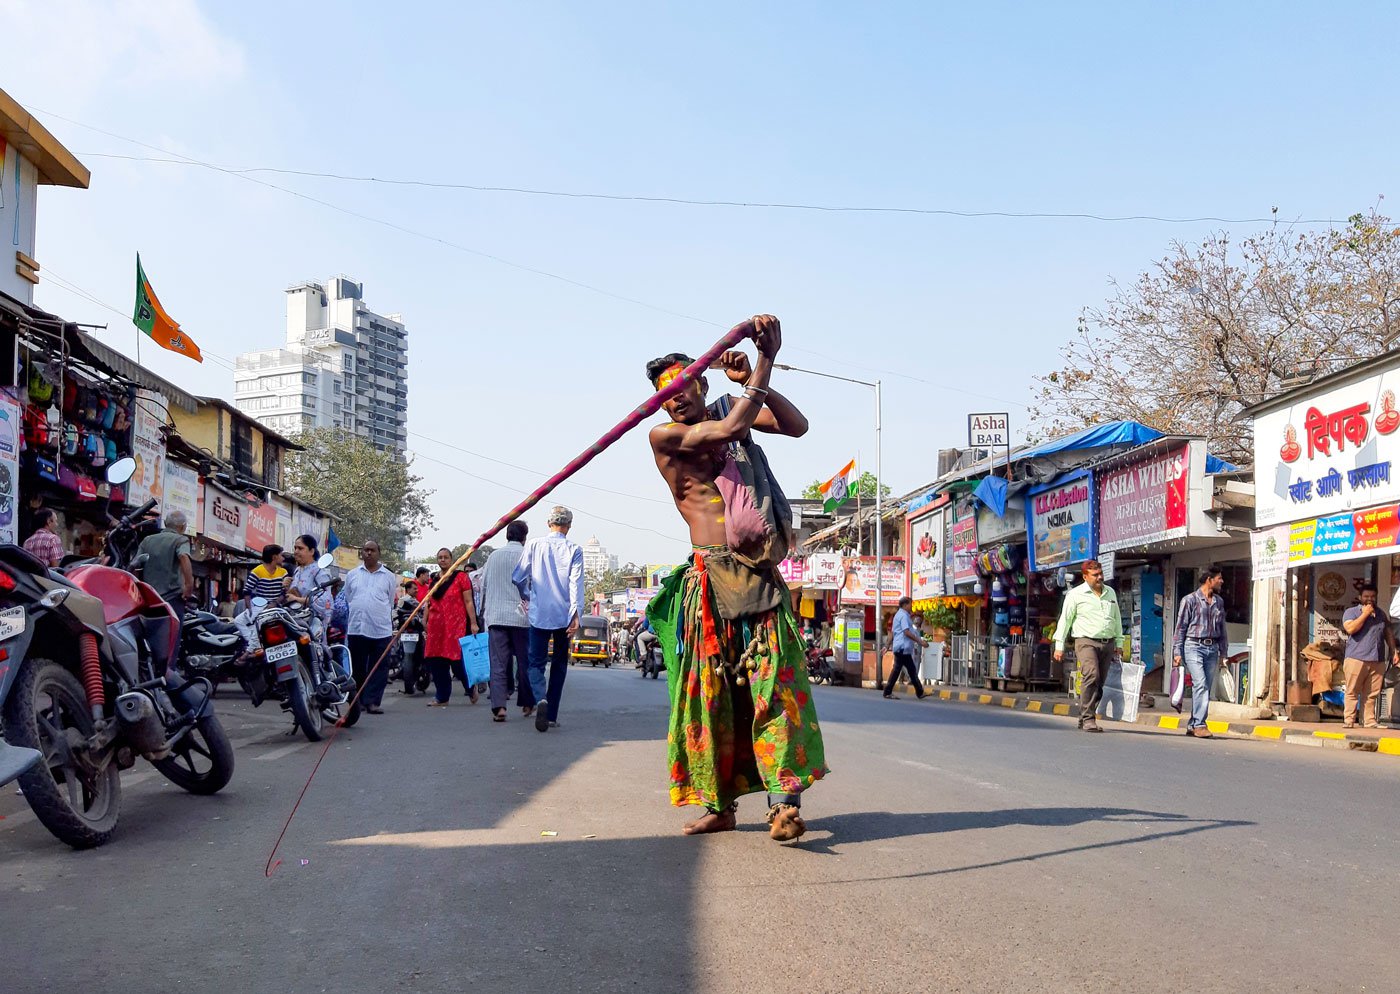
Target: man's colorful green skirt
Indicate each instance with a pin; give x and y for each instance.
(742, 718)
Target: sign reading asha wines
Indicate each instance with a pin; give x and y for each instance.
(1143, 502)
(1062, 522)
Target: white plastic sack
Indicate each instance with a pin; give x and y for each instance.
(1121, 691)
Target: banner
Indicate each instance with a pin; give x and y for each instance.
(637, 600)
(1009, 527)
(1062, 522)
(793, 571)
(148, 449)
(824, 571)
(261, 527)
(224, 517)
(853, 638)
(1329, 451)
(965, 550)
(1358, 535)
(858, 585)
(1143, 502)
(11, 431)
(925, 545)
(1268, 552)
(181, 485)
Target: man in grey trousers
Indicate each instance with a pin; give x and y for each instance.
(507, 624)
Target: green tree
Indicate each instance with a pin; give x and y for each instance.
(373, 494)
(597, 582)
(1211, 328)
(864, 486)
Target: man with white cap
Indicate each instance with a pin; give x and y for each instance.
(550, 579)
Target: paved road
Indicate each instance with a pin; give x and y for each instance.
(954, 848)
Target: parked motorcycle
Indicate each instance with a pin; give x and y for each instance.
(821, 667)
(83, 683)
(211, 647)
(406, 657)
(299, 671)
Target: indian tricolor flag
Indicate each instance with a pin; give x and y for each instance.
(151, 318)
(837, 490)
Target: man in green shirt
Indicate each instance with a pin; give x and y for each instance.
(1090, 617)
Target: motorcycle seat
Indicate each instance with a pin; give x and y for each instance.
(210, 623)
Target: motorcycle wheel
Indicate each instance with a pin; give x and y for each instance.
(47, 710)
(202, 762)
(308, 715)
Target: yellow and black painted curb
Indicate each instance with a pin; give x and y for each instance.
(1388, 745)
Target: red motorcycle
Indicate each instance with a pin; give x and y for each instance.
(83, 683)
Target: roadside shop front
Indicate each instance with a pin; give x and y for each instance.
(1328, 521)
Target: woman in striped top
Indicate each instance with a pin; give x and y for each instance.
(268, 579)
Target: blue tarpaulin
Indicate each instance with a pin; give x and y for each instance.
(1109, 434)
(992, 492)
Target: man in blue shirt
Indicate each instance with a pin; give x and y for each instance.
(549, 577)
(1366, 627)
(907, 642)
(1199, 643)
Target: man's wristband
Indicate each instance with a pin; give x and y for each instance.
(748, 391)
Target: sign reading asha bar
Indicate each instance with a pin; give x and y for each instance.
(1330, 451)
(1143, 502)
(988, 431)
(1062, 522)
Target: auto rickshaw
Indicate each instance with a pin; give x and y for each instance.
(590, 642)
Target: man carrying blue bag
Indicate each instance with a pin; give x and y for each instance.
(549, 577)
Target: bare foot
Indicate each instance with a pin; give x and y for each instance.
(713, 821)
(787, 824)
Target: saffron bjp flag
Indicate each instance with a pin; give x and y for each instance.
(837, 490)
(151, 318)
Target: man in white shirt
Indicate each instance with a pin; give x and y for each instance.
(370, 592)
(907, 643)
(549, 577)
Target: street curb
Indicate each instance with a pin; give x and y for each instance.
(1388, 745)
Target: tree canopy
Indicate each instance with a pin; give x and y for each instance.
(1211, 328)
(598, 582)
(374, 494)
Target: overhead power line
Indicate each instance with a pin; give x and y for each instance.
(698, 202)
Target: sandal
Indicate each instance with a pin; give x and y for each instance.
(498, 714)
(438, 704)
(785, 823)
(525, 712)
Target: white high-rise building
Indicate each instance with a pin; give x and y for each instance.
(344, 365)
(596, 558)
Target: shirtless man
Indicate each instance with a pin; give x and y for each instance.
(742, 718)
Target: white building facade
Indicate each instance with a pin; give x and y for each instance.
(596, 558)
(343, 366)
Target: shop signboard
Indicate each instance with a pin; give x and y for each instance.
(925, 545)
(1329, 452)
(260, 526)
(181, 486)
(858, 587)
(824, 571)
(224, 517)
(793, 571)
(148, 449)
(965, 550)
(306, 523)
(10, 434)
(1358, 535)
(988, 431)
(1009, 527)
(1061, 526)
(1268, 552)
(1143, 502)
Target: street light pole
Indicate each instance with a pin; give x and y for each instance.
(879, 512)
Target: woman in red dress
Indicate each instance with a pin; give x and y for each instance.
(451, 615)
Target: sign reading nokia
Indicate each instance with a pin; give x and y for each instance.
(1061, 525)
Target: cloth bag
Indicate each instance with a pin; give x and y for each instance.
(476, 659)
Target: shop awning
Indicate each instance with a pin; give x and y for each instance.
(1108, 435)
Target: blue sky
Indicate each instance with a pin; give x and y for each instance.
(1185, 110)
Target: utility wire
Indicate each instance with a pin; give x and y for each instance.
(695, 202)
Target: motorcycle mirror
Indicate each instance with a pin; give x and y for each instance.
(121, 470)
(326, 561)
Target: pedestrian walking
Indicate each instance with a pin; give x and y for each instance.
(1200, 637)
(451, 616)
(45, 545)
(168, 568)
(1090, 617)
(549, 577)
(507, 625)
(1366, 627)
(370, 591)
(906, 643)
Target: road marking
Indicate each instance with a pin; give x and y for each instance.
(285, 750)
(1218, 727)
(1268, 731)
(1008, 702)
(1033, 706)
(1390, 747)
(984, 698)
(1329, 735)
(1169, 721)
(1061, 709)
